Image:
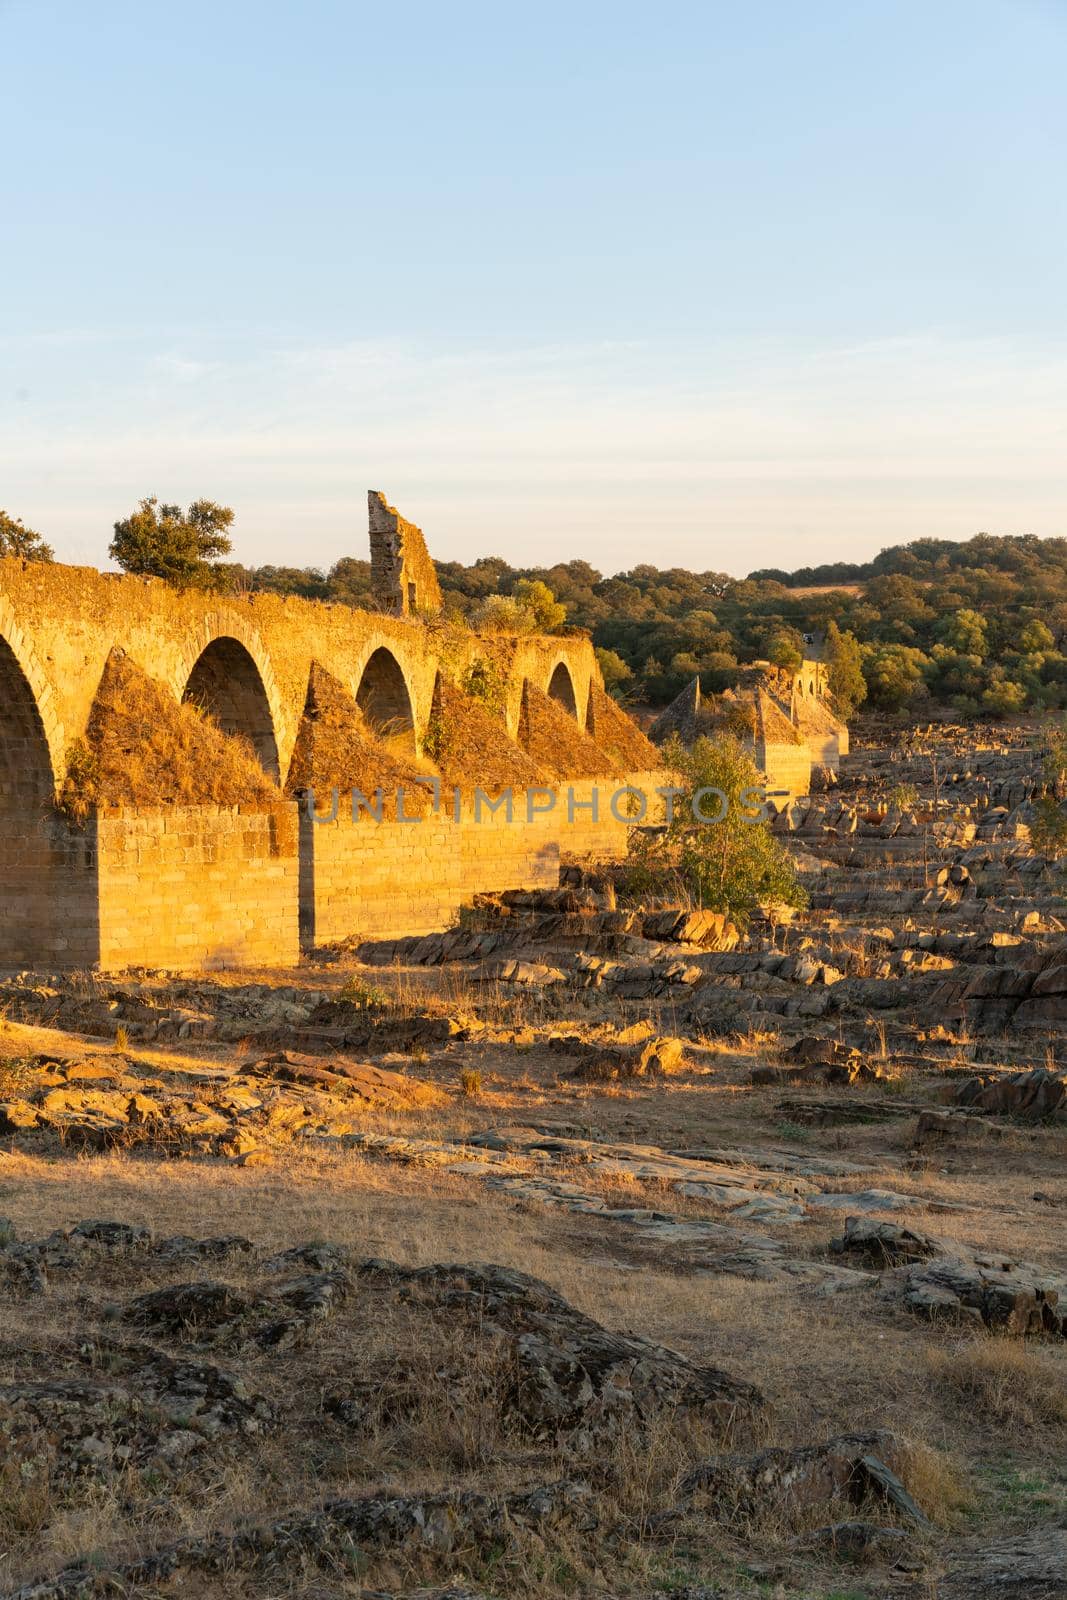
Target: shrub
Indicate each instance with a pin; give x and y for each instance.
(18, 540)
(732, 865)
(15, 1079)
(365, 996)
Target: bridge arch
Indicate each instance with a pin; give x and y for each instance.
(32, 754)
(228, 674)
(386, 701)
(561, 688)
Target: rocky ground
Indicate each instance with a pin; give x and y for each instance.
(585, 1249)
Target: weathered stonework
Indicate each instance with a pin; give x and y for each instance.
(402, 572)
(413, 877)
(783, 717)
(249, 659)
(202, 885)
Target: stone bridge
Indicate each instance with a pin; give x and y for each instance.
(205, 885)
(246, 660)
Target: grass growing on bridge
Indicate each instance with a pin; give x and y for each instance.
(143, 748)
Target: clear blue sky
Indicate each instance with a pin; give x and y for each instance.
(718, 285)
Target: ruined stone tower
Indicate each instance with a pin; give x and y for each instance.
(402, 574)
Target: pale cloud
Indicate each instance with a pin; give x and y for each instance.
(184, 369)
(620, 452)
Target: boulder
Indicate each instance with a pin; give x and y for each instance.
(852, 1467)
(567, 1375)
(614, 1061)
(1030, 1096)
(1015, 1297)
(884, 1244)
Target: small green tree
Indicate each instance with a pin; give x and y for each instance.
(537, 598)
(1048, 831)
(785, 649)
(615, 672)
(1003, 698)
(1035, 637)
(965, 633)
(18, 540)
(717, 850)
(532, 608)
(844, 669)
(894, 675)
(159, 541)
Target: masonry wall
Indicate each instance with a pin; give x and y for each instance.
(787, 766)
(203, 887)
(371, 879)
(199, 886)
(825, 750)
(368, 879)
(604, 836)
(48, 911)
(62, 622)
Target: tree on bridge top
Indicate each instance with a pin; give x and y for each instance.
(160, 541)
(18, 540)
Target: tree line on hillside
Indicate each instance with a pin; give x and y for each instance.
(980, 625)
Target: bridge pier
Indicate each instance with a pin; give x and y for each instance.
(201, 887)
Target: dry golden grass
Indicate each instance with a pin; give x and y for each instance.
(555, 741)
(826, 1365)
(434, 1418)
(336, 748)
(471, 746)
(1009, 1384)
(618, 735)
(144, 748)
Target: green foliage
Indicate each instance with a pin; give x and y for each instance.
(1035, 637)
(732, 865)
(965, 633)
(785, 649)
(486, 682)
(537, 598)
(435, 737)
(793, 1130)
(530, 608)
(1048, 831)
(482, 680)
(615, 672)
(934, 619)
(81, 784)
(350, 581)
(843, 657)
(905, 796)
(18, 540)
(1003, 698)
(159, 541)
(365, 996)
(894, 676)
